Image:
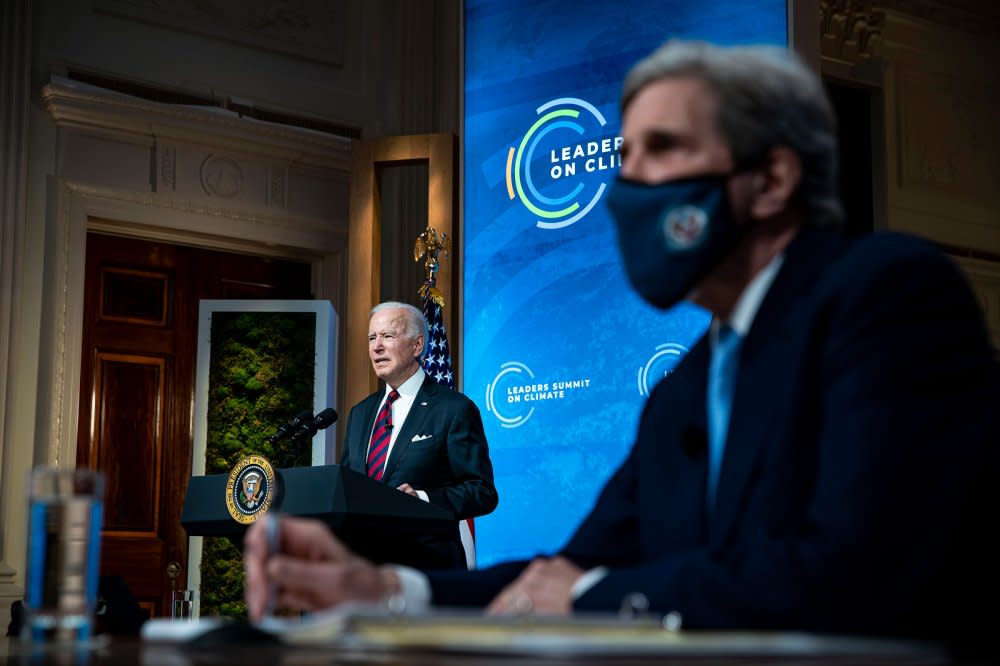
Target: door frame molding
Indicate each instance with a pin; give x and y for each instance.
(176, 208)
(439, 151)
(127, 166)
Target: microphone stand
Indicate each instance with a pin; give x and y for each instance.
(301, 438)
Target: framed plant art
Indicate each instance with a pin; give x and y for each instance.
(260, 363)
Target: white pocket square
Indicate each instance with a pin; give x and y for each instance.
(420, 438)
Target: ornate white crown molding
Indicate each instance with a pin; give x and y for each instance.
(76, 104)
(314, 30)
(281, 220)
(850, 30)
(980, 17)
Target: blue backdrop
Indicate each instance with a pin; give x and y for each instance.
(558, 352)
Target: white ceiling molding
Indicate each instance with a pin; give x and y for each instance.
(72, 103)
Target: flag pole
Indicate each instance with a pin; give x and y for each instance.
(429, 248)
(436, 362)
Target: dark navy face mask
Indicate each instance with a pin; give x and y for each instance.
(671, 234)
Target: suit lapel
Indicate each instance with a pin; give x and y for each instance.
(763, 357)
(360, 444)
(692, 439)
(421, 408)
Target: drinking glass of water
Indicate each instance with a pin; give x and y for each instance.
(182, 605)
(65, 513)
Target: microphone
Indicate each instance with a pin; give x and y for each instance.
(290, 426)
(324, 419)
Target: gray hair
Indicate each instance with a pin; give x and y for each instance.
(766, 97)
(416, 323)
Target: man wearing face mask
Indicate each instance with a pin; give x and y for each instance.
(823, 460)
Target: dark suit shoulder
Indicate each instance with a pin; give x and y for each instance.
(892, 271)
(370, 398)
(455, 396)
(894, 243)
(882, 255)
(446, 395)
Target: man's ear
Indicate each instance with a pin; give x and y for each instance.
(776, 183)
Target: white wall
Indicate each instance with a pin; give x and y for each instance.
(933, 67)
(943, 155)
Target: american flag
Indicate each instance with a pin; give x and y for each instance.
(437, 360)
(437, 365)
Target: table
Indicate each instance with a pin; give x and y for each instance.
(248, 649)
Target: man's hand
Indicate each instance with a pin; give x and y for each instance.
(406, 488)
(311, 569)
(544, 588)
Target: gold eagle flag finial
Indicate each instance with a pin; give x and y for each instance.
(428, 247)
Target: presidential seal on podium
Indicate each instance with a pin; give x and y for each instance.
(251, 489)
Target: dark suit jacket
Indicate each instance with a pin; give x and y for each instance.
(450, 461)
(858, 485)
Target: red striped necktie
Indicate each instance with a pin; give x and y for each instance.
(381, 435)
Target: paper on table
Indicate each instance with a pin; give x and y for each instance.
(321, 627)
(374, 628)
(165, 629)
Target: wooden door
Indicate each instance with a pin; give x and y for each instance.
(137, 389)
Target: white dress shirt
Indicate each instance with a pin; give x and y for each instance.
(400, 410)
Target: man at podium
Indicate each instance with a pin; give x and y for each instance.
(416, 436)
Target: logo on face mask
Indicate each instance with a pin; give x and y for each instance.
(671, 234)
(684, 227)
(554, 169)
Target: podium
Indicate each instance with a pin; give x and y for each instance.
(375, 521)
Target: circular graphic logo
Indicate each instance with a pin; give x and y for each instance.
(659, 365)
(684, 227)
(520, 373)
(577, 149)
(250, 489)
